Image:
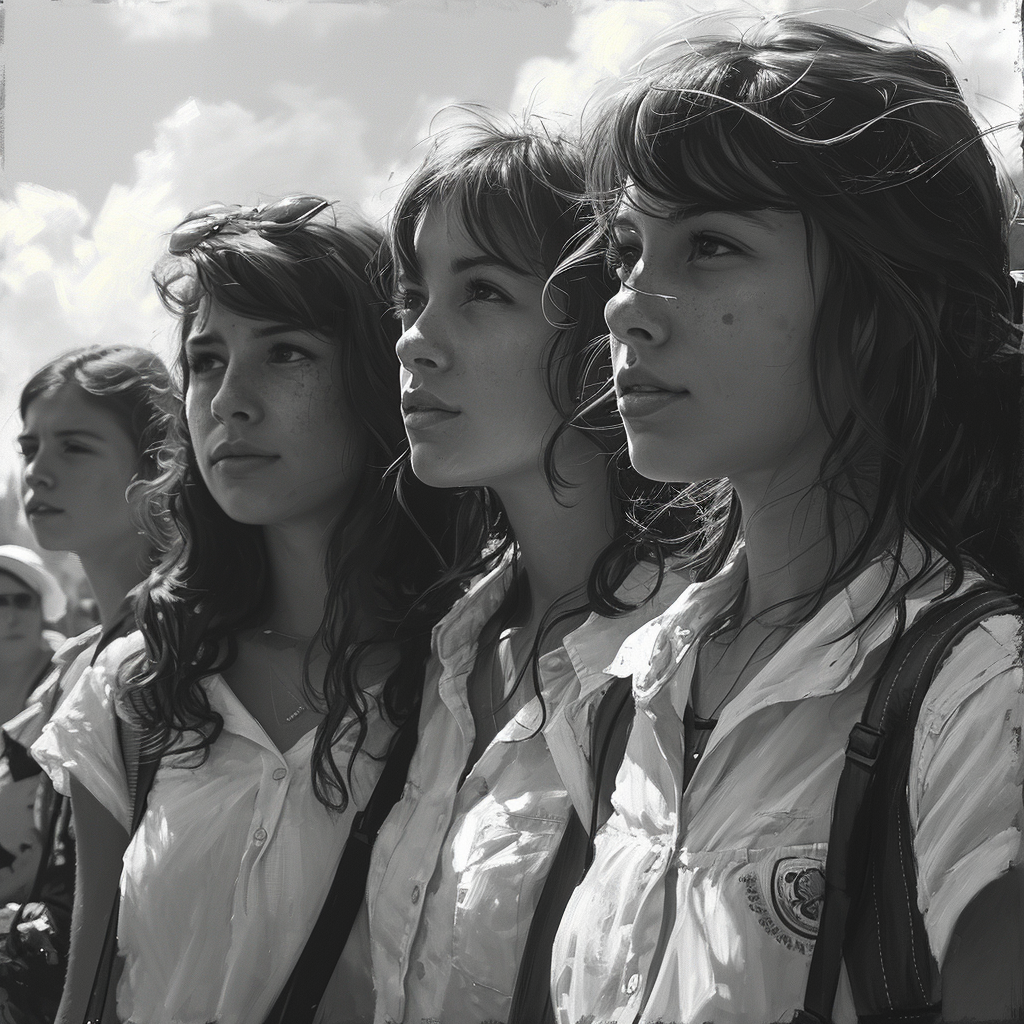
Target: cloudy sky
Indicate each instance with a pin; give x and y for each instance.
(122, 116)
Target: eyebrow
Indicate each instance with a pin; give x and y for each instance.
(269, 331)
(463, 263)
(697, 210)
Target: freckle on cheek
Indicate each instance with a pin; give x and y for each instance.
(728, 318)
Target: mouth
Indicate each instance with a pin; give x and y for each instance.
(41, 510)
(636, 400)
(239, 456)
(421, 410)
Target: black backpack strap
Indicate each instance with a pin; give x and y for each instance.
(301, 995)
(141, 758)
(870, 916)
(531, 997)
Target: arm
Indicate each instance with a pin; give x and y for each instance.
(983, 972)
(101, 843)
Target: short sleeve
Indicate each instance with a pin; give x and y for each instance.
(965, 783)
(80, 739)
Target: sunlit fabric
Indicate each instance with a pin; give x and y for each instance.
(229, 869)
(458, 870)
(703, 905)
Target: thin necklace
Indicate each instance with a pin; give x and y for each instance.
(278, 640)
(697, 730)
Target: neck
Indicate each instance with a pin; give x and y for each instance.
(297, 577)
(789, 547)
(112, 573)
(559, 542)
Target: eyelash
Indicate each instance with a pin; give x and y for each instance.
(204, 362)
(621, 258)
(68, 448)
(405, 303)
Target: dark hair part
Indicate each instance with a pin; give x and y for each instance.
(214, 582)
(134, 386)
(517, 189)
(873, 144)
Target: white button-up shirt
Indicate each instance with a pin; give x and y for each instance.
(227, 873)
(457, 871)
(703, 905)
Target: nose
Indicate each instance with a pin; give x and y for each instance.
(422, 348)
(637, 317)
(237, 398)
(36, 472)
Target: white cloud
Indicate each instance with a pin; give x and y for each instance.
(68, 280)
(162, 19)
(141, 20)
(607, 34)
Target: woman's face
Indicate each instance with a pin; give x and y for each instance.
(711, 344)
(21, 619)
(474, 393)
(274, 443)
(77, 464)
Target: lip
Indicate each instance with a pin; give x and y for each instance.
(239, 454)
(421, 409)
(41, 508)
(641, 394)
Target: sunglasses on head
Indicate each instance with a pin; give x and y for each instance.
(20, 601)
(271, 221)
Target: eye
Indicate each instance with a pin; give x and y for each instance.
(73, 448)
(704, 246)
(406, 306)
(483, 291)
(622, 255)
(200, 363)
(284, 352)
(27, 450)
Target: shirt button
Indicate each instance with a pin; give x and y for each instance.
(415, 894)
(280, 773)
(633, 984)
(260, 836)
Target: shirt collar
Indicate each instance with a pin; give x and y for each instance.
(456, 635)
(823, 656)
(593, 645)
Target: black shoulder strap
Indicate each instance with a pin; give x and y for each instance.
(870, 916)
(299, 999)
(531, 997)
(141, 761)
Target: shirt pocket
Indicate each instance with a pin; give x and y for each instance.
(498, 888)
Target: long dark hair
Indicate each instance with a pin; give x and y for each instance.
(134, 386)
(383, 553)
(874, 145)
(518, 188)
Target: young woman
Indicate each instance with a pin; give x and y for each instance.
(282, 643)
(495, 356)
(814, 319)
(93, 422)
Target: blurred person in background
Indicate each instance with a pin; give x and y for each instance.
(94, 422)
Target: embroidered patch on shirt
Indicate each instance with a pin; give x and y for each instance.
(787, 897)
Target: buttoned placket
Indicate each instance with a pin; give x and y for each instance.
(825, 675)
(456, 650)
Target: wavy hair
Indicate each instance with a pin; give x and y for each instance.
(873, 143)
(518, 191)
(385, 549)
(134, 386)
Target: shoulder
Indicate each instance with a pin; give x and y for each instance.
(985, 663)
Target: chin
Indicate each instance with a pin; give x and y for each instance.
(435, 472)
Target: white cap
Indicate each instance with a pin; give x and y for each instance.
(27, 566)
